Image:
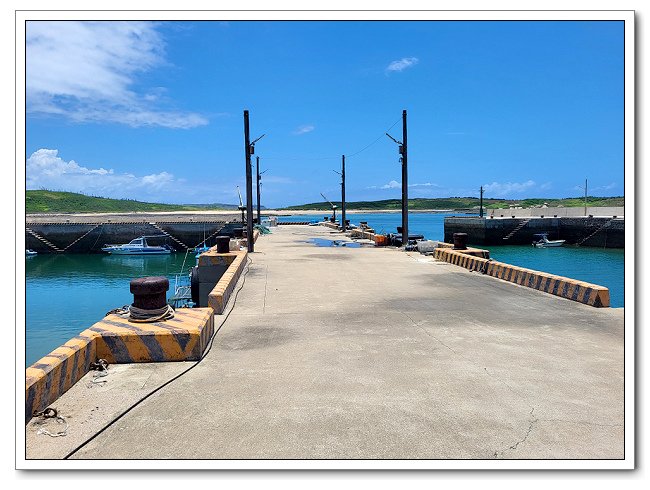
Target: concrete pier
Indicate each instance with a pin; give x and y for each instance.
(366, 353)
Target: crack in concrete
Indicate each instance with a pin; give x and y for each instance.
(579, 422)
(516, 444)
(470, 361)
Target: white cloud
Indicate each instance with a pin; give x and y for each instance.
(400, 65)
(86, 71)
(607, 187)
(393, 184)
(46, 170)
(428, 184)
(307, 128)
(497, 189)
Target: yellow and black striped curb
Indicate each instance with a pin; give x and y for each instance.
(582, 292)
(477, 252)
(218, 297)
(182, 338)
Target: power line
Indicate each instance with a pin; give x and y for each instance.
(380, 137)
(336, 157)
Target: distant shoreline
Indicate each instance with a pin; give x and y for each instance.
(316, 212)
(226, 212)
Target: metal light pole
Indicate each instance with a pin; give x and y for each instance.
(585, 197)
(343, 193)
(480, 212)
(259, 218)
(405, 195)
(249, 186)
(250, 149)
(342, 174)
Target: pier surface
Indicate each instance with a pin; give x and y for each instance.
(364, 353)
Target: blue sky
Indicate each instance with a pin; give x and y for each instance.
(153, 111)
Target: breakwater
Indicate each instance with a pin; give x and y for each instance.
(606, 232)
(85, 235)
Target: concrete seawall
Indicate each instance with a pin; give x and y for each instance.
(89, 236)
(607, 232)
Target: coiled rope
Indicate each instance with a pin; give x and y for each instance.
(50, 413)
(138, 315)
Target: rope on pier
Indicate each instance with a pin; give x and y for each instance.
(50, 413)
(155, 390)
(138, 315)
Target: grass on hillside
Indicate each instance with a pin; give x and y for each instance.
(43, 201)
(456, 203)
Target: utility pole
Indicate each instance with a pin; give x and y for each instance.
(343, 193)
(405, 186)
(259, 218)
(405, 196)
(480, 212)
(249, 187)
(250, 149)
(585, 197)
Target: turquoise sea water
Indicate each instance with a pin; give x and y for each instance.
(601, 266)
(66, 294)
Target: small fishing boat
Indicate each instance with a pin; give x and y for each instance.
(30, 253)
(541, 240)
(137, 246)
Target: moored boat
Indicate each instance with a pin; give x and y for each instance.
(541, 240)
(137, 246)
(30, 253)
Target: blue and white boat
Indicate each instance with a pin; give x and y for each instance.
(541, 240)
(30, 253)
(137, 246)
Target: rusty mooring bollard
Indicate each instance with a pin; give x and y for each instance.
(223, 244)
(149, 293)
(460, 241)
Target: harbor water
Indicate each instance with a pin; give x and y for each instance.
(65, 294)
(604, 267)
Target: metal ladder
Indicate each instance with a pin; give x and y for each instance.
(517, 228)
(46, 242)
(600, 228)
(155, 225)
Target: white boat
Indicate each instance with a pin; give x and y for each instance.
(137, 246)
(541, 241)
(30, 253)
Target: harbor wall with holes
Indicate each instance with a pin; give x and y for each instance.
(90, 237)
(607, 232)
(571, 289)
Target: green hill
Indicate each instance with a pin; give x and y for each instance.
(456, 203)
(70, 202)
